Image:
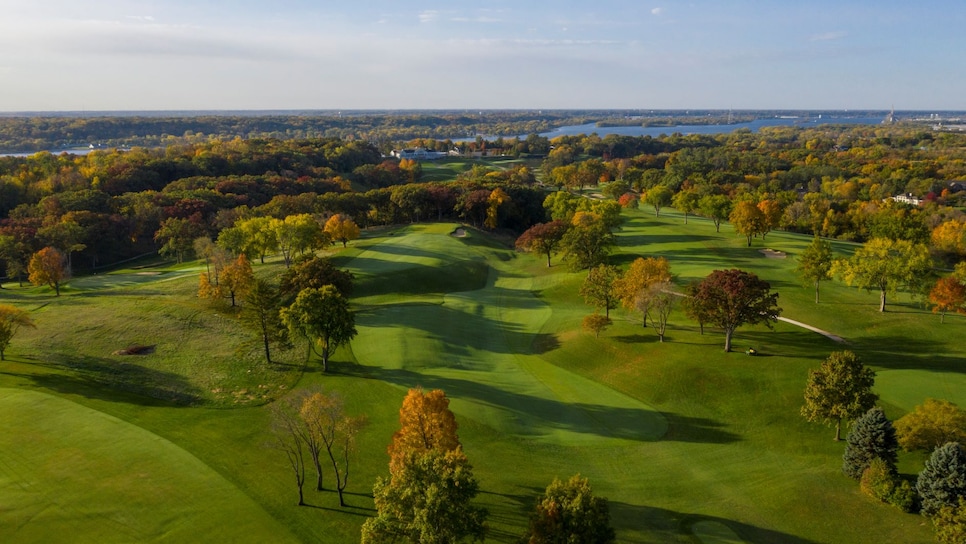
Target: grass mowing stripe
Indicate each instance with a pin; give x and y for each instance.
(70, 470)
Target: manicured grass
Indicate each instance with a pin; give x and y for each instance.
(686, 441)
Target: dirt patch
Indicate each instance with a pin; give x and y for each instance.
(772, 254)
(135, 350)
(147, 273)
(459, 233)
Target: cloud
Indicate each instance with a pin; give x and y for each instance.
(828, 36)
(145, 18)
(657, 11)
(428, 16)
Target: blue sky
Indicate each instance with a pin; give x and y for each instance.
(293, 54)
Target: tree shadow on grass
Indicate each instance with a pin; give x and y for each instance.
(635, 424)
(105, 379)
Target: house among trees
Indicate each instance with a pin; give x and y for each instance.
(908, 198)
(418, 154)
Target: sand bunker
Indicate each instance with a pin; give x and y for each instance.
(772, 254)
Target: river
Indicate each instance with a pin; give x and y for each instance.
(754, 126)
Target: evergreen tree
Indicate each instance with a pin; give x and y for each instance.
(943, 481)
(872, 436)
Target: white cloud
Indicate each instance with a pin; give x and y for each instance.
(828, 36)
(428, 16)
(657, 11)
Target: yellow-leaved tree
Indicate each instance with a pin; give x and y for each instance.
(425, 423)
(342, 228)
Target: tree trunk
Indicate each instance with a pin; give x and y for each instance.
(301, 496)
(816, 291)
(749, 240)
(942, 319)
(728, 333)
(838, 430)
(685, 218)
(548, 259)
(57, 289)
(318, 472)
(882, 300)
(325, 359)
(268, 353)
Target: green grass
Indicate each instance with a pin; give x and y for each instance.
(687, 442)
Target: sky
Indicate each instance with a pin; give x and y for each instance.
(96, 55)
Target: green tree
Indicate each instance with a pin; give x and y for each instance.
(588, 242)
(429, 500)
(732, 298)
(48, 267)
(570, 512)
(261, 311)
(841, 389)
(716, 208)
(12, 319)
(542, 238)
(943, 480)
(885, 265)
(815, 264)
(747, 220)
(872, 436)
(312, 272)
(599, 288)
(686, 202)
(177, 237)
(323, 318)
(658, 197)
(297, 234)
(930, 425)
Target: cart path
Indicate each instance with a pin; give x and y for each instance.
(826, 334)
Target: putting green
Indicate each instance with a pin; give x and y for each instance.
(72, 471)
(905, 388)
(481, 347)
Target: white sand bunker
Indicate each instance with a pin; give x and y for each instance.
(772, 254)
(459, 233)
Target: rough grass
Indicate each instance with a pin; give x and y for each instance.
(686, 441)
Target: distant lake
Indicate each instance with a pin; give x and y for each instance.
(754, 126)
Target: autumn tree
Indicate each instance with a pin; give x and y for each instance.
(12, 319)
(948, 294)
(771, 215)
(425, 423)
(686, 202)
(342, 228)
(254, 236)
(599, 288)
(596, 323)
(177, 236)
(543, 238)
(237, 278)
(634, 286)
(815, 264)
(428, 499)
(943, 480)
(329, 428)
(885, 265)
(312, 272)
(662, 297)
(297, 234)
(658, 197)
(494, 203)
(261, 311)
(570, 512)
(48, 267)
(841, 389)
(587, 242)
(747, 220)
(323, 318)
(950, 523)
(289, 434)
(716, 208)
(930, 425)
(872, 436)
(732, 298)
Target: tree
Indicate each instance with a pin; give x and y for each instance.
(429, 499)
(569, 512)
(716, 208)
(587, 242)
(943, 480)
(16, 254)
(11, 320)
(771, 215)
(815, 263)
(747, 220)
(543, 238)
(297, 234)
(254, 236)
(732, 298)
(599, 289)
(329, 428)
(948, 294)
(658, 196)
(686, 202)
(885, 265)
(312, 272)
(950, 523)
(289, 436)
(237, 278)
(662, 298)
(341, 228)
(930, 425)
(177, 236)
(634, 286)
(872, 437)
(841, 389)
(494, 202)
(48, 267)
(425, 423)
(323, 318)
(596, 323)
(261, 310)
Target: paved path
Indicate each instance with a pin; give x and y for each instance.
(826, 334)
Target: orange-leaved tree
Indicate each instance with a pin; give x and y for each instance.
(948, 294)
(342, 228)
(425, 424)
(48, 267)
